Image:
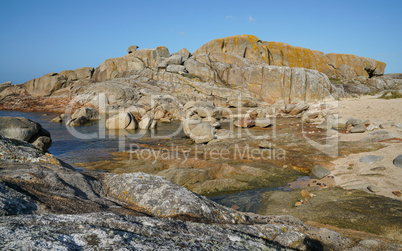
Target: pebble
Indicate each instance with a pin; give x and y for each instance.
(378, 168)
(298, 204)
(373, 189)
(397, 193)
(398, 161)
(371, 159)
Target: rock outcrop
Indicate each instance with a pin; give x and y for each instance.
(237, 71)
(26, 130)
(342, 66)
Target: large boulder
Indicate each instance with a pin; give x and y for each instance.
(189, 125)
(202, 133)
(18, 128)
(124, 120)
(131, 64)
(88, 112)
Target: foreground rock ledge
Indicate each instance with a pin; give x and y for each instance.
(51, 206)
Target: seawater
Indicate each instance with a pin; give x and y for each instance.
(71, 149)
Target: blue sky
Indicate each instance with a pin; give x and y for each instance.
(38, 37)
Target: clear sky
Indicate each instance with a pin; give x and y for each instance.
(38, 37)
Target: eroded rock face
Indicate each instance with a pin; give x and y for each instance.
(51, 82)
(282, 54)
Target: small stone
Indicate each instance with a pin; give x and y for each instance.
(358, 128)
(398, 161)
(397, 193)
(265, 145)
(260, 122)
(306, 194)
(370, 159)
(373, 189)
(370, 127)
(386, 125)
(319, 172)
(298, 204)
(399, 126)
(378, 168)
(235, 207)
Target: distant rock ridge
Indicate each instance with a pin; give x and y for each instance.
(220, 71)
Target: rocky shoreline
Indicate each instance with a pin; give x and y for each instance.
(45, 204)
(251, 114)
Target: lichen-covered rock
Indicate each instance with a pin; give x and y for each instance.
(13, 202)
(13, 150)
(282, 54)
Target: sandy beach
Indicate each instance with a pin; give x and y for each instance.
(349, 172)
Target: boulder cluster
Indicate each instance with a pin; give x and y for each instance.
(237, 71)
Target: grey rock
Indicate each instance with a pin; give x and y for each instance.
(262, 122)
(80, 121)
(184, 53)
(370, 127)
(380, 132)
(18, 128)
(371, 159)
(13, 150)
(5, 85)
(354, 122)
(300, 107)
(373, 189)
(378, 168)
(43, 142)
(119, 121)
(175, 60)
(289, 107)
(57, 119)
(13, 202)
(132, 48)
(189, 125)
(340, 124)
(399, 126)
(202, 133)
(319, 172)
(109, 231)
(360, 128)
(176, 68)
(87, 112)
(147, 122)
(262, 114)
(242, 103)
(398, 161)
(386, 125)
